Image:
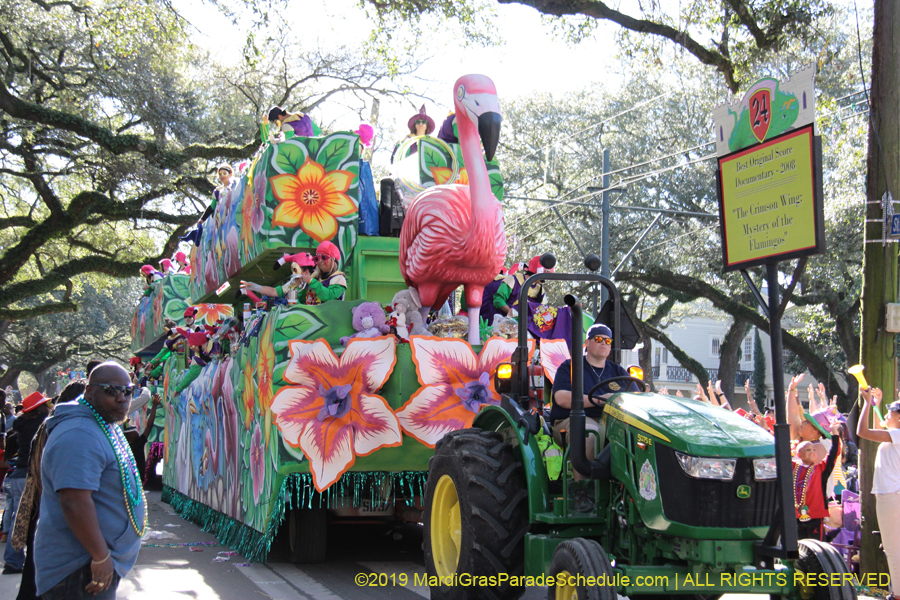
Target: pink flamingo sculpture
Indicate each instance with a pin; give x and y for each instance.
(453, 234)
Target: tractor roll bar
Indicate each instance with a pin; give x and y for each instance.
(520, 356)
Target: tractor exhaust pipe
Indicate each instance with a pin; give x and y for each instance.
(576, 415)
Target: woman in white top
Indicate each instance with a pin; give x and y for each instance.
(886, 480)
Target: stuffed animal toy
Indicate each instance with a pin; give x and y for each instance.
(368, 321)
(405, 309)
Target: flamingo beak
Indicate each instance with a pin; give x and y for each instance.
(489, 131)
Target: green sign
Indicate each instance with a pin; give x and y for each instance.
(770, 200)
(743, 491)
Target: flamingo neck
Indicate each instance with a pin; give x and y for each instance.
(479, 184)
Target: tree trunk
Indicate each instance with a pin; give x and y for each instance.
(880, 268)
(730, 356)
(11, 377)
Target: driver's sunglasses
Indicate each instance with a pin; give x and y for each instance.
(115, 390)
(602, 340)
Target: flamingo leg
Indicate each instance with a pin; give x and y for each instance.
(474, 320)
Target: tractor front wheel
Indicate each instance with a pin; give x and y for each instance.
(476, 516)
(822, 558)
(583, 557)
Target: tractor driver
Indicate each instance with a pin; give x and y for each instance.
(596, 369)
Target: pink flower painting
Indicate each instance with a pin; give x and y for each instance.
(455, 384)
(553, 353)
(331, 411)
(257, 463)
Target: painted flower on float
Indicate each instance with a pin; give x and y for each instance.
(331, 412)
(312, 200)
(442, 175)
(248, 397)
(455, 384)
(553, 353)
(265, 368)
(257, 463)
(158, 306)
(210, 313)
(247, 208)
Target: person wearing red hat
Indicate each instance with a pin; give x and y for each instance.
(501, 295)
(198, 356)
(325, 283)
(35, 410)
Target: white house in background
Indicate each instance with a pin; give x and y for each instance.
(701, 337)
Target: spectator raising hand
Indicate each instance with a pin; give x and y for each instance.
(701, 395)
(723, 401)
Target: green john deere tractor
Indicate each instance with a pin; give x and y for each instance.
(692, 506)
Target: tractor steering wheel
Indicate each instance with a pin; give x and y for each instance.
(600, 384)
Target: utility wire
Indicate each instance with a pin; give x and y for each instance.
(595, 125)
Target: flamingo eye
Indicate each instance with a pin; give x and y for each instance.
(461, 92)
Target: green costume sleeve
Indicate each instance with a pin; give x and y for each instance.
(158, 372)
(189, 377)
(162, 356)
(325, 294)
(501, 298)
(280, 291)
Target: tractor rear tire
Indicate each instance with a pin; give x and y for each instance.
(822, 558)
(476, 516)
(308, 534)
(576, 557)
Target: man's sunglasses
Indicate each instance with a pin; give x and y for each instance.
(602, 340)
(115, 390)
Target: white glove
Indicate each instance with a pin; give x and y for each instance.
(253, 287)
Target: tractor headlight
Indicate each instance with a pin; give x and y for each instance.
(707, 468)
(764, 468)
(503, 378)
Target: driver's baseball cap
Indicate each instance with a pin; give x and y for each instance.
(599, 329)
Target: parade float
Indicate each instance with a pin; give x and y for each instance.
(298, 416)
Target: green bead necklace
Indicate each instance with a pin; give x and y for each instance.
(133, 492)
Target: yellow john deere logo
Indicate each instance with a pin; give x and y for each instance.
(743, 491)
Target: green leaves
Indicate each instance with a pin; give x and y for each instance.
(291, 156)
(336, 150)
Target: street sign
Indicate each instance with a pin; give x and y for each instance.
(895, 226)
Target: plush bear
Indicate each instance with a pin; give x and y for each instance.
(368, 321)
(405, 309)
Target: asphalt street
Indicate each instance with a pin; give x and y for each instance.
(167, 568)
(180, 561)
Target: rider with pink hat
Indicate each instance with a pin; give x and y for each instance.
(324, 283)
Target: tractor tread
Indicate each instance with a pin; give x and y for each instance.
(490, 484)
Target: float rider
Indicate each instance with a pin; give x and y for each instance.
(419, 124)
(325, 283)
(501, 295)
(225, 174)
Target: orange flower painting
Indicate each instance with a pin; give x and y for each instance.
(312, 200)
